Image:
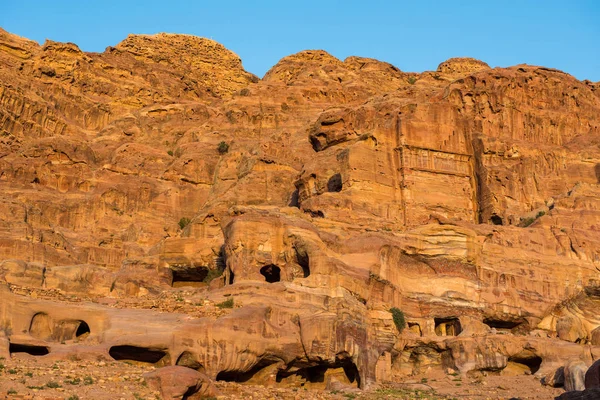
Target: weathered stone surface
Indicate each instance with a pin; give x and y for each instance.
(555, 378)
(177, 382)
(161, 175)
(575, 375)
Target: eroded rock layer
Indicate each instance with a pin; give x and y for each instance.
(311, 202)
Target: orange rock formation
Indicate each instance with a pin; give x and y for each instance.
(317, 198)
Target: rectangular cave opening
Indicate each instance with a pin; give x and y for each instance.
(158, 357)
(506, 325)
(448, 326)
(317, 376)
(189, 275)
(29, 349)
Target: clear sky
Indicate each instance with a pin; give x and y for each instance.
(414, 36)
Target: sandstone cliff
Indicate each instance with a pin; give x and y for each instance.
(317, 198)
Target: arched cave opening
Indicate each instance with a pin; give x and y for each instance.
(139, 354)
(188, 359)
(41, 326)
(303, 261)
(272, 273)
(415, 327)
(335, 183)
(447, 326)
(29, 349)
(496, 220)
(82, 329)
(527, 358)
(240, 376)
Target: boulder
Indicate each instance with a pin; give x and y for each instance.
(592, 376)
(575, 375)
(176, 382)
(555, 378)
(587, 394)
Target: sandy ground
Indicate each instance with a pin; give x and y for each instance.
(28, 377)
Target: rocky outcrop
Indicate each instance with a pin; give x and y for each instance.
(575, 375)
(286, 216)
(177, 382)
(592, 376)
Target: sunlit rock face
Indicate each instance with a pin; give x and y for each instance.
(316, 198)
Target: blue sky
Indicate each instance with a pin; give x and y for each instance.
(414, 36)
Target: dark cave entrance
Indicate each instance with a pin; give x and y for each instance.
(240, 377)
(272, 273)
(303, 261)
(188, 275)
(527, 358)
(139, 354)
(188, 359)
(335, 183)
(29, 349)
(82, 329)
(316, 375)
(505, 326)
(447, 326)
(496, 220)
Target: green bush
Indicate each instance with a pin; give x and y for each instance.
(183, 222)
(398, 317)
(226, 304)
(212, 274)
(412, 80)
(223, 148)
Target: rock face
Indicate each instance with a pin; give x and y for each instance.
(296, 210)
(176, 382)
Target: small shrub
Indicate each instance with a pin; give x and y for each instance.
(11, 391)
(223, 148)
(226, 304)
(29, 374)
(52, 385)
(12, 371)
(74, 381)
(398, 317)
(183, 222)
(412, 80)
(74, 397)
(526, 222)
(170, 152)
(212, 274)
(88, 380)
